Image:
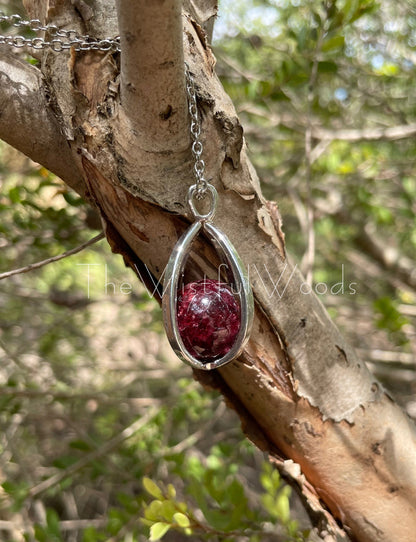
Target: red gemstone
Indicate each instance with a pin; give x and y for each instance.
(208, 319)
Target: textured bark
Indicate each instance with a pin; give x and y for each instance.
(301, 393)
(158, 121)
(25, 111)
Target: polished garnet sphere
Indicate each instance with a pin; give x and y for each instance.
(208, 319)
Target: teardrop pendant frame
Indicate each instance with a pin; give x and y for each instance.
(173, 274)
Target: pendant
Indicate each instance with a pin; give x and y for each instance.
(208, 321)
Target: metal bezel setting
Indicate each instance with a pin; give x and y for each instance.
(173, 274)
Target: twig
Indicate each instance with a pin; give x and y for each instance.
(37, 265)
(309, 256)
(400, 359)
(78, 524)
(191, 440)
(387, 256)
(366, 134)
(65, 525)
(13, 357)
(295, 123)
(300, 208)
(61, 396)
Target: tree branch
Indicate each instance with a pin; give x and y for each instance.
(27, 122)
(368, 134)
(37, 265)
(152, 73)
(297, 124)
(298, 387)
(387, 255)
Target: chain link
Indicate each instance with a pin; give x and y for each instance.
(62, 40)
(195, 130)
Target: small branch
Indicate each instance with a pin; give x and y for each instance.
(291, 122)
(387, 256)
(78, 524)
(402, 360)
(27, 122)
(192, 439)
(296, 179)
(15, 359)
(152, 73)
(366, 134)
(309, 256)
(109, 396)
(37, 265)
(65, 525)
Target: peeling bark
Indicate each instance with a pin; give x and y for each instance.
(300, 391)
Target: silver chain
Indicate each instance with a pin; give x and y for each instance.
(62, 40)
(195, 129)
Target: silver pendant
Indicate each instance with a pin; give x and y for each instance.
(241, 293)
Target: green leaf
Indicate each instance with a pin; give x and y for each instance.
(73, 199)
(181, 520)
(218, 519)
(79, 444)
(182, 506)
(153, 511)
(327, 67)
(283, 508)
(167, 510)
(332, 44)
(213, 462)
(18, 491)
(90, 534)
(158, 530)
(52, 520)
(152, 488)
(389, 317)
(64, 462)
(14, 194)
(350, 8)
(236, 493)
(171, 491)
(268, 502)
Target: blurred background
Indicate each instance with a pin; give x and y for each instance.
(103, 433)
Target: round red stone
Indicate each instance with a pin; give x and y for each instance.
(208, 319)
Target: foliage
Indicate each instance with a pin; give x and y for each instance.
(318, 86)
(103, 436)
(88, 410)
(224, 504)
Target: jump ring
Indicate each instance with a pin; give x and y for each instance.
(192, 193)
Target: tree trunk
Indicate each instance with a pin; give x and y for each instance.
(121, 140)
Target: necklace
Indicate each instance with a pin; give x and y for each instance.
(207, 321)
(61, 40)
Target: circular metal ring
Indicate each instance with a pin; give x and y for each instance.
(16, 20)
(56, 45)
(35, 25)
(19, 41)
(37, 43)
(193, 191)
(197, 148)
